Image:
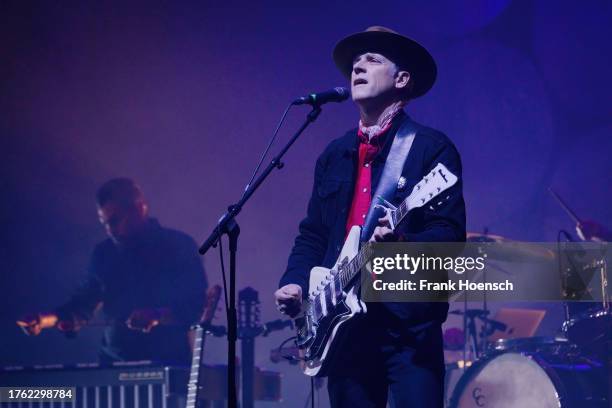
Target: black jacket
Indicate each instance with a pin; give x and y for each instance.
(322, 232)
(160, 268)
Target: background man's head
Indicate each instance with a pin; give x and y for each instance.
(122, 209)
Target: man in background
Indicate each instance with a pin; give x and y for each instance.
(147, 280)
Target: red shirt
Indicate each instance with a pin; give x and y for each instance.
(362, 195)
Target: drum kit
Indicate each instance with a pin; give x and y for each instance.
(572, 369)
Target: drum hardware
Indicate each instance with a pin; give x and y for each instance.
(510, 251)
(470, 315)
(577, 268)
(532, 345)
(592, 329)
(592, 332)
(570, 370)
(588, 324)
(595, 265)
(488, 327)
(532, 372)
(601, 264)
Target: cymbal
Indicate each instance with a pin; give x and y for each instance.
(504, 249)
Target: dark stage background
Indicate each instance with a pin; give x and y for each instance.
(183, 96)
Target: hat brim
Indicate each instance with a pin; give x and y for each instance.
(408, 54)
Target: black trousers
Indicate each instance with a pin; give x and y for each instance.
(376, 357)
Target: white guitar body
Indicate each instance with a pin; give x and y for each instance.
(318, 278)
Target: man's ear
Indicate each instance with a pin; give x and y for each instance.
(142, 207)
(402, 80)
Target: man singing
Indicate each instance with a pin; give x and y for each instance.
(396, 346)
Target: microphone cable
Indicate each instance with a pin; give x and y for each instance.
(265, 153)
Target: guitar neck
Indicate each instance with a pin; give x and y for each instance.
(194, 375)
(193, 387)
(431, 186)
(352, 268)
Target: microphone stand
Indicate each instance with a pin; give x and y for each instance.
(227, 226)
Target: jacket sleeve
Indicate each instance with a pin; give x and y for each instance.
(187, 296)
(311, 243)
(88, 295)
(446, 222)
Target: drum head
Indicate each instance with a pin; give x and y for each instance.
(531, 344)
(508, 380)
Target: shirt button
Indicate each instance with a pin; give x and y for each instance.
(363, 216)
(365, 190)
(366, 165)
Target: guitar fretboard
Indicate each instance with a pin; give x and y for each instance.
(352, 268)
(193, 385)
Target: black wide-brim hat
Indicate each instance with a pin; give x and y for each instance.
(408, 54)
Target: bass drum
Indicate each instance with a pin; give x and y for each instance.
(532, 379)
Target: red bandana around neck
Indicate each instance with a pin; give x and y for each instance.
(382, 125)
(370, 144)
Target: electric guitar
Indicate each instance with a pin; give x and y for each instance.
(333, 299)
(199, 330)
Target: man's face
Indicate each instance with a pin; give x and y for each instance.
(122, 222)
(373, 77)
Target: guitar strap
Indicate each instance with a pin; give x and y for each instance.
(392, 171)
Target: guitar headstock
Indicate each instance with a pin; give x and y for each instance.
(432, 185)
(249, 319)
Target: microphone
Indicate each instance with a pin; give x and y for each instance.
(338, 94)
